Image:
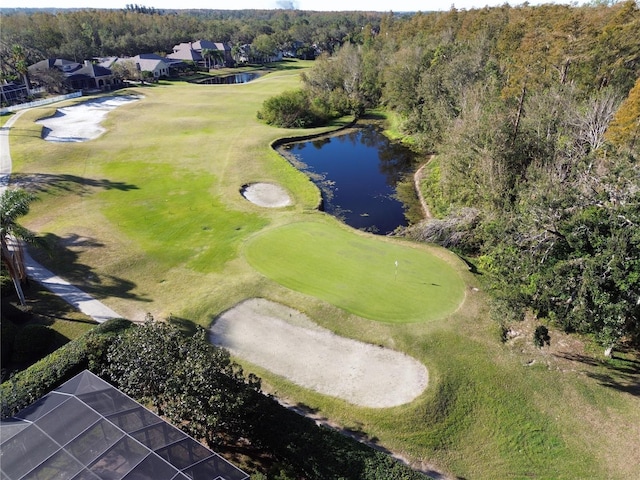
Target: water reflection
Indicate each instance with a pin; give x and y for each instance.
(357, 172)
(230, 79)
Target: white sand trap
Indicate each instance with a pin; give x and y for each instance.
(81, 122)
(266, 195)
(287, 343)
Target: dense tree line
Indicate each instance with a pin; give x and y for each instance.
(85, 34)
(533, 177)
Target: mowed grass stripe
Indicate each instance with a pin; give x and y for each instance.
(358, 273)
(177, 223)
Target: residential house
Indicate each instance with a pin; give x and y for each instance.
(186, 55)
(159, 67)
(200, 52)
(85, 76)
(150, 62)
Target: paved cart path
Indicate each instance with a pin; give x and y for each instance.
(68, 292)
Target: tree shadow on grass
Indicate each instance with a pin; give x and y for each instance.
(621, 372)
(357, 433)
(186, 326)
(64, 183)
(283, 65)
(61, 257)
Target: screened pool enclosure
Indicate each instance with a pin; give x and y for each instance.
(87, 429)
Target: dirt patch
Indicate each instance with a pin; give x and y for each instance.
(287, 343)
(564, 352)
(266, 195)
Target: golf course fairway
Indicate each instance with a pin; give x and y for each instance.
(375, 279)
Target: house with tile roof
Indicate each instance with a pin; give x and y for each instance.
(199, 52)
(85, 76)
(159, 67)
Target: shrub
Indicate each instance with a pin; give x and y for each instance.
(290, 109)
(52, 371)
(541, 336)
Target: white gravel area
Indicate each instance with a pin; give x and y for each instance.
(81, 122)
(266, 195)
(287, 343)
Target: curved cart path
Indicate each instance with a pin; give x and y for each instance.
(70, 293)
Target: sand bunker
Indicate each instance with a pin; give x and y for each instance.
(81, 122)
(266, 195)
(287, 343)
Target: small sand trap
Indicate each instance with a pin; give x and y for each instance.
(287, 343)
(266, 195)
(81, 122)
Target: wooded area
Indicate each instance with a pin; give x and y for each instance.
(532, 112)
(533, 116)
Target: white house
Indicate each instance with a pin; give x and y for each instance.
(145, 62)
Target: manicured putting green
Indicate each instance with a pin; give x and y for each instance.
(358, 273)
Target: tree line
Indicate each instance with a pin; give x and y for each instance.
(84, 34)
(534, 115)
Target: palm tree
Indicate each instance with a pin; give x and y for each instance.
(206, 54)
(218, 57)
(14, 203)
(21, 65)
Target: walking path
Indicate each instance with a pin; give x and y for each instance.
(71, 294)
(417, 179)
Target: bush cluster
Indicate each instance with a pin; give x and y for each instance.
(291, 109)
(52, 371)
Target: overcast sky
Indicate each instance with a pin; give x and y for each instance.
(318, 5)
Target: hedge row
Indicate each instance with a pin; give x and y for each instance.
(52, 371)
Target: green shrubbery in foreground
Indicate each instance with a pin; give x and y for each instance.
(295, 446)
(83, 353)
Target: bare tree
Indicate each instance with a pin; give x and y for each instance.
(593, 121)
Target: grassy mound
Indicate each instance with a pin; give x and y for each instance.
(374, 279)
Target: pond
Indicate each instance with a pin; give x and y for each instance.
(230, 79)
(357, 172)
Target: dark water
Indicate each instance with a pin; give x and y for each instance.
(357, 173)
(230, 79)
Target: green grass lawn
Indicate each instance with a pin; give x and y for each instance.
(149, 217)
(358, 273)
